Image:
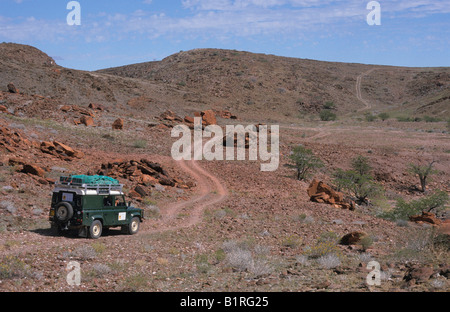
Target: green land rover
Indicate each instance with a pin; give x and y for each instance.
(91, 204)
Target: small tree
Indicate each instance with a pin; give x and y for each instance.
(423, 172)
(403, 210)
(362, 187)
(361, 165)
(327, 115)
(383, 116)
(369, 117)
(304, 161)
(358, 181)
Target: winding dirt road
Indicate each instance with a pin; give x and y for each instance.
(359, 79)
(210, 191)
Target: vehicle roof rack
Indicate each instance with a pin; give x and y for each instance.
(101, 184)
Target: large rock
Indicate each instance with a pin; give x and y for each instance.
(66, 108)
(320, 192)
(82, 111)
(61, 150)
(352, 238)
(68, 150)
(426, 217)
(141, 191)
(34, 170)
(209, 117)
(95, 106)
(170, 116)
(418, 275)
(88, 121)
(26, 167)
(118, 124)
(12, 88)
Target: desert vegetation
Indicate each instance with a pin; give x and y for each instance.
(346, 193)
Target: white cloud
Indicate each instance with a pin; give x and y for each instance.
(220, 19)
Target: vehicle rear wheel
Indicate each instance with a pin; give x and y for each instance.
(133, 227)
(95, 230)
(64, 212)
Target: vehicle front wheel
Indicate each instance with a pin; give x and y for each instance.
(95, 230)
(133, 227)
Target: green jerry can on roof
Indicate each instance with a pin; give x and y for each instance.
(89, 180)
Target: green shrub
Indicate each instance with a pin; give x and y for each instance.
(358, 181)
(322, 248)
(361, 165)
(366, 242)
(329, 105)
(331, 237)
(430, 119)
(292, 241)
(383, 116)
(409, 119)
(369, 117)
(403, 210)
(140, 143)
(327, 115)
(304, 161)
(12, 267)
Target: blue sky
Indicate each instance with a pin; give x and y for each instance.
(117, 32)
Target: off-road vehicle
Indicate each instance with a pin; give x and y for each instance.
(91, 204)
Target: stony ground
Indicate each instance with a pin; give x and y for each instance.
(221, 225)
(236, 228)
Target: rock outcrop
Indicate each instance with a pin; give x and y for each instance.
(320, 192)
(144, 174)
(118, 124)
(25, 166)
(426, 217)
(209, 118)
(352, 238)
(13, 140)
(61, 150)
(88, 121)
(12, 88)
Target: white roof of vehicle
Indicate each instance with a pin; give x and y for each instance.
(85, 189)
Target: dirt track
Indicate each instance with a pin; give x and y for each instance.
(358, 89)
(210, 191)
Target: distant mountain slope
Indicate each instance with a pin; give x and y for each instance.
(258, 82)
(253, 86)
(34, 72)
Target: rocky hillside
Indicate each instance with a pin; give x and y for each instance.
(258, 83)
(253, 86)
(33, 72)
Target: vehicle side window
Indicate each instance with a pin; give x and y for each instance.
(107, 201)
